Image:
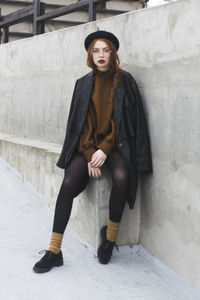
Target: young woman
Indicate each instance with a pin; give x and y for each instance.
(106, 124)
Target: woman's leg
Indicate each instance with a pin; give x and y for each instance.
(120, 182)
(118, 197)
(75, 180)
(119, 192)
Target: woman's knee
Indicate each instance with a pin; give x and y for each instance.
(74, 184)
(120, 176)
(67, 182)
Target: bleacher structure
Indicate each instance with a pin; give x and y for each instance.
(76, 12)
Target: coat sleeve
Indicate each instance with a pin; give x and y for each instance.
(61, 161)
(142, 142)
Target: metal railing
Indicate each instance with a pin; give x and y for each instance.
(36, 13)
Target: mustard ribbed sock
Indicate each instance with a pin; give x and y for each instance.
(112, 230)
(55, 243)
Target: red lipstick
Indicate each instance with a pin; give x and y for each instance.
(101, 61)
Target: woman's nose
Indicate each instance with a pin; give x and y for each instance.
(101, 53)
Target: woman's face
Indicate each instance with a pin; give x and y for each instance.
(101, 55)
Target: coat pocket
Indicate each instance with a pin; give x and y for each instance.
(124, 148)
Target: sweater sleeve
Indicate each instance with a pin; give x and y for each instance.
(86, 147)
(108, 143)
(88, 152)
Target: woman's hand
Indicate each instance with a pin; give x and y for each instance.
(98, 158)
(94, 172)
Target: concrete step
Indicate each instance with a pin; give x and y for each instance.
(123, 5)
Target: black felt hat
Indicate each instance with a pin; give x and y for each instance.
(101, 34)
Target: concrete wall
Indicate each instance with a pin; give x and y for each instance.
(160, 46)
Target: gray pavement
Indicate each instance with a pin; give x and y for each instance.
(25, 228)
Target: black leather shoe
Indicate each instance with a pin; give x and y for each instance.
(105, 249)
(48, 261)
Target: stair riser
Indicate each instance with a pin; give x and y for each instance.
(123, 5)
(80, 16)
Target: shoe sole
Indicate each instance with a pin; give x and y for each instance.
(102, 261)
(43, 270)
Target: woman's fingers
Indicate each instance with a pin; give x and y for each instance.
(94, 155)
(97, 163)
(94, 161)
(98, 159)
(96, 173)
(89, 170)
(100, 163)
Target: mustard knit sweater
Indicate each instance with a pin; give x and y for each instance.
(98, 131)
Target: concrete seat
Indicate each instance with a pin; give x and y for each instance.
(35, 160)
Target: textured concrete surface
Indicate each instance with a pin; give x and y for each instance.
(160, 46)
(36, 160)
(25, 225)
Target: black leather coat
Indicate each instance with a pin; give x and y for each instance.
(131, 132)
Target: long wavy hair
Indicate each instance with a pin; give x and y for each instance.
(114, 62)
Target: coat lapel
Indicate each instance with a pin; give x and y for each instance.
(85, 97)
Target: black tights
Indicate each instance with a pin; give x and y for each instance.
(75, 180)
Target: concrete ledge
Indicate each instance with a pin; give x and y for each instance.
(36, 161)
(49, 147)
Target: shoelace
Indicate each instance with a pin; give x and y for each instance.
(42, 251)
(116, 246)
(47, 256)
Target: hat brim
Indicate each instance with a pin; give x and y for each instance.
(101, 34)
